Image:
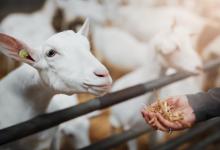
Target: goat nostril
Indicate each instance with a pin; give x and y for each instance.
(101, 73)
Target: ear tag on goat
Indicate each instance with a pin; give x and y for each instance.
(23, 53)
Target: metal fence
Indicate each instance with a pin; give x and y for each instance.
(189, 135)
(45, 121)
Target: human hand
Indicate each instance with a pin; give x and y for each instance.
(180, 104)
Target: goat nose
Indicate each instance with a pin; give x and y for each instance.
(101, 73)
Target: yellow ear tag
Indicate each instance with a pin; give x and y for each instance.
(23, 53)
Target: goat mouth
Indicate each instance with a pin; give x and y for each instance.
(102, 86)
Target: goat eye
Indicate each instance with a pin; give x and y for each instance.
(51, 53)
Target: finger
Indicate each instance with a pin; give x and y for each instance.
(146, 115)
(142, 113)
(151, 122)
(150, 115)
(186, 124)
(154, 126)
(160, 126)
(179, 125)
(167, 124)
(154, 123)
(146, 118)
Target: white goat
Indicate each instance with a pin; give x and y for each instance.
(118, 47)
(77, 129)
(145, 23)
(123, 45)
(28, 26)
(62, 64)
(172, 48)
(92, 9)
(131, 20)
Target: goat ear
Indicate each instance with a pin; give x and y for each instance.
(85, 28)
(15, 49)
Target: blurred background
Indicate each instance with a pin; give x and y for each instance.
(13, 6)
(119, 28)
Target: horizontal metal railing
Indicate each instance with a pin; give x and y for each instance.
(117, 139)
(45, 121)
(189, 135)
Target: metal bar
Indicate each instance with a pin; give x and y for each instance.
(215, 137)
(176, 142)
(45, 121)
(117, 139)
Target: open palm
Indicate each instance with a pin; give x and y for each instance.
(180, 103)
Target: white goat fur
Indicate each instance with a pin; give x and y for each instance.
(123, 45)
(122, 51)
(92, 9)
(131, 19)
(28, 89)
(78, 128)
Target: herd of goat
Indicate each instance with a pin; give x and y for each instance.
(80, 46)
